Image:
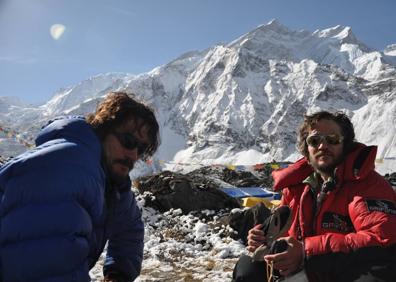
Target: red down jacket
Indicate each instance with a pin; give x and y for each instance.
(359, 212)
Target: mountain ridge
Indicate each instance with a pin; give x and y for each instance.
(227, 101)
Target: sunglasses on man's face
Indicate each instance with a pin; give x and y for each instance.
(130, 142)
(317, 139)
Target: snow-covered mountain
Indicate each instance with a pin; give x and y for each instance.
(242, 102)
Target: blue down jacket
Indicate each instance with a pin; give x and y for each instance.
(57, 211)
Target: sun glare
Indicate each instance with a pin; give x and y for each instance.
(57, 31)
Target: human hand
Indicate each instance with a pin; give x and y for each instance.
(255, 237)
(288, 261)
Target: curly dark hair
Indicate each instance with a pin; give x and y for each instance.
(338, 117)
(119, 107)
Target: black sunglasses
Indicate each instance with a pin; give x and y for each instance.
(130, 142)
(317, 139)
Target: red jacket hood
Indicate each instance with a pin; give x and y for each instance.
(356, 165)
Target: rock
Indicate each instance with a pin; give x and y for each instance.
(186, 192)
(244, 220)
(391, 178)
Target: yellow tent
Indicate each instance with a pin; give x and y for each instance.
(252, 201)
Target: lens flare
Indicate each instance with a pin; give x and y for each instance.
(57, 31)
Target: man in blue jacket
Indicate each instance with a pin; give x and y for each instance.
(62, 201)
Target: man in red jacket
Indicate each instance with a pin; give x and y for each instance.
(343, 212)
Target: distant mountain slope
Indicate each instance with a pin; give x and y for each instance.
(242, 102)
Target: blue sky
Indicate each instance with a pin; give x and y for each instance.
(135, 36)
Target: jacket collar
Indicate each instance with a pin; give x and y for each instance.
(357, 165)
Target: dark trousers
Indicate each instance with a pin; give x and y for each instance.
(364, 265)
(247, 270)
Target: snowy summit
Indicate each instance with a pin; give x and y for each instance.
(241, 102)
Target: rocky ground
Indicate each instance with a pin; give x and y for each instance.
(185, 247)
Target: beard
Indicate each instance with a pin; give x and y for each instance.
(115, 178)
(328, 168)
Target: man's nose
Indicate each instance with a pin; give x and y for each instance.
(323, 144)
